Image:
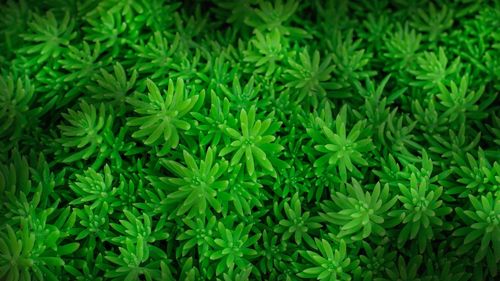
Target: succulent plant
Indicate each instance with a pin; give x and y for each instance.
(249, 140)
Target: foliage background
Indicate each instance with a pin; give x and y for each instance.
(249, 140)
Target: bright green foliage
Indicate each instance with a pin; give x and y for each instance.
(196, 185)
(267, 53)
(308, 77)
(459, 103)
(94, 188)
(134, 228)
(162, 117)
(297, 223)
(233, 247)
(93, 223)
(275, 17)
(341, 140)
(241, 97)
(200, 233)
(400, 136)
(32, 244)
(254, 143)
(342, 150)
(106, 29)
(359, 214)
(477, 174)
(329, 264)
(243, 192)
(293, 181)
(431, 22)
(81, 62)
(134, 262)
(238, 274)
(156, 56)
(402, 47)
(434, 69)
(350, 61)
(23, 256)
(216, 122)
(376, 105)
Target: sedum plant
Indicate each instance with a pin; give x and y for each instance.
(233, 247)
(83, 132)
(340, 140)
(422, 212)
(341, 149)
(162, 117)
(197, 185)
(113, 87)
(359, 213)
(49, 35)
(254, 142)
(482, 229)
(296, 223)
(309, 77)
(267, 52)
(329, 263)
(94, 188)
(16, 96)
(24, 257)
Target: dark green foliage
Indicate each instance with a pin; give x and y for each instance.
(330, 264)
(84, 130)
(16, 97)
(249, 140)
(49, 36)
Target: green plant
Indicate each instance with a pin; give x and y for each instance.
(341, 150)
(422, 213)
(134, 262)
(84, 131)
(162, 117)
(341, 140)
(483, 228)
(49, 36)
(433, 68)
(254, 142)
(96, 188)
(232, 248)
(268, 51)
(275, 17)
(297, 223)
(359, 214)
(196, 184)
(113, 88)
(329, 263)
(309, 78)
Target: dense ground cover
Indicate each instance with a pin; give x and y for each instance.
(249, 140)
